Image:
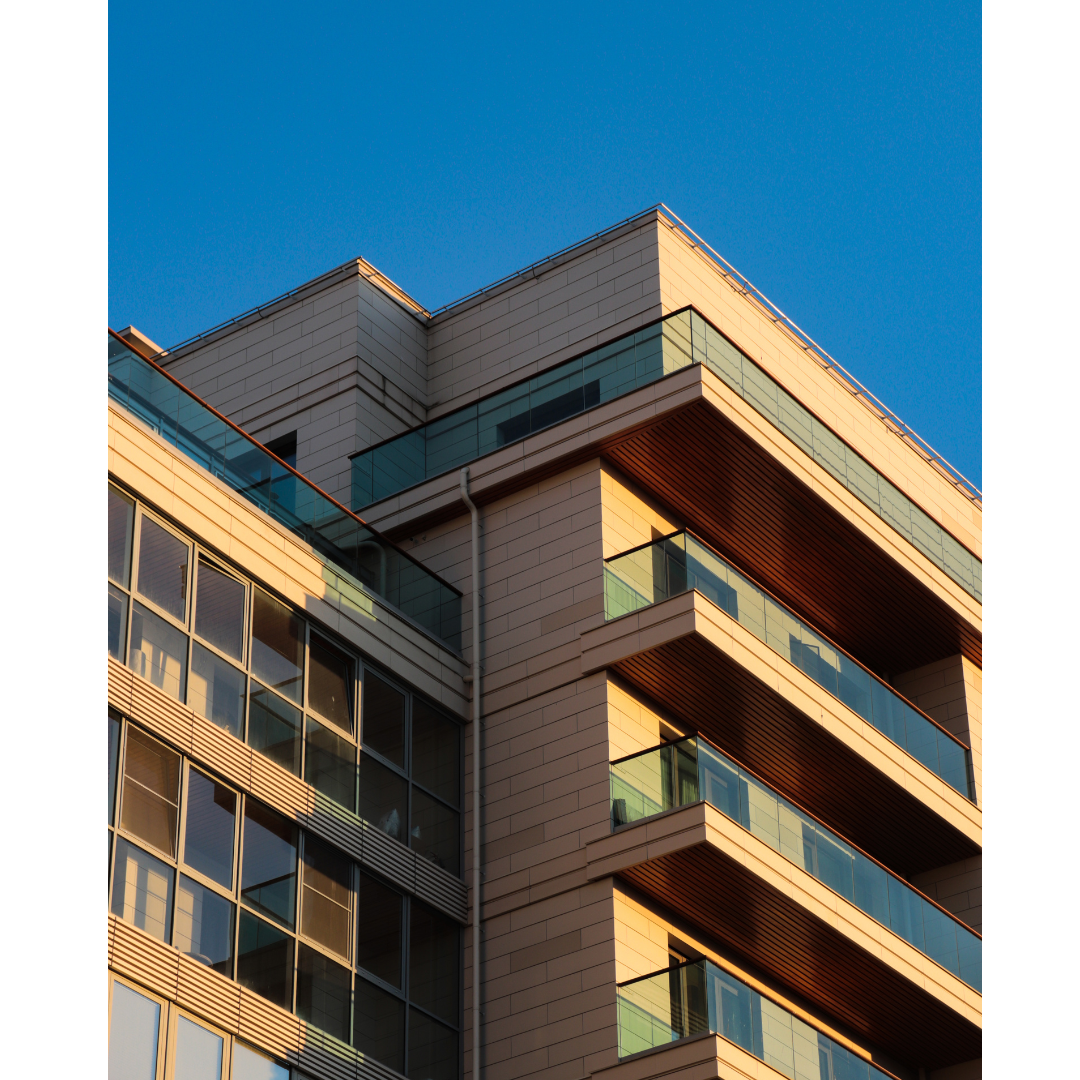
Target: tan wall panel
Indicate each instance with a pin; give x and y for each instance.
(689, 277)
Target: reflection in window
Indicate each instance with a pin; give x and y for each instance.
(379, 1025)
(163, 569)
(277, 647)
(248, 1064)
(433, 961)
(210, 824)
(434, 832)
(216, 690)
(436, 749)
(433, 1049)
(151, 791)
(198, 1052)
(219, 610)
(323, 992)
(330, 764)
(268, 882)
(121, 518)
(383, 719)
(274, 728)
(158, 651)
(133, 1034)
(204, 926)
(327, 887)
(264, 960)
(331, 679)
(117, 622)
(378, 934)
(383, 797)
(142, 890)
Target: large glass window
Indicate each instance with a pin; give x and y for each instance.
(121, 523)
(216, 690)
(433, 961)
(277, 647)
(150, 799)
(158, 651)
(219, 610)
(204, 925)
(210, 827)
(384, 719)
(114, 756)
(118, 608)
(264, 960)
(199, 1052)
(142, 890)
(379, 1025)
(274, 728)
(269, 877)
(330, 693)
(163, 569)
(327, 895)
(133, 1035)
(323, 992)
(248, 1064)
(379, 926)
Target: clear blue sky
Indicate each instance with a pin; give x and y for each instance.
(830, 152)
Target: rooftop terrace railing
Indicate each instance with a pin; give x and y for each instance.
(246, 466)
(627, 364)
(681, 562)
(699, 996)
(692, 769)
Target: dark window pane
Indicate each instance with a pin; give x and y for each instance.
(142, 890)
(378, 933)
(383, 719)
(327, 889)
(330, 691)
(209, 828)
(277, 646)
(204, 926)
(274, 728)
(323, 992)
(433, 1049)
(133, 1035)
(216, 690)
(436, 752)
(151, 787)
(383, 797)
(118, 605)
(264, 960)
(114, 753)
(433, 962)
(198, 1052)
(158, 651)
(330, 765)
(379, 1025)
(434, 832)
(268, 882)
(248, 1064)
(121, 518)
(163, 569)
(219, 610)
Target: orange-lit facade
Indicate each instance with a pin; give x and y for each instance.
(723, 727)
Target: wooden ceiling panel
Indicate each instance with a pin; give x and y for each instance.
(776, 934)
(742, 501)
(754, 724)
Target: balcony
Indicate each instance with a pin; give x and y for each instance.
(698, 997)
(219, 446)
(680, 563)
(685, 772)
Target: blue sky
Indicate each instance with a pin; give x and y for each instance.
(831, 152)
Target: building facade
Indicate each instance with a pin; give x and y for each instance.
(603, 573)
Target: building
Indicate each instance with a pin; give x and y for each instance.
(728, 684)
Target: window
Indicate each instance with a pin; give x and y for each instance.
(255, 668)
(133, 1034)
(235, 885)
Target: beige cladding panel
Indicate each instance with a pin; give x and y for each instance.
(688, 277)
(531, 324)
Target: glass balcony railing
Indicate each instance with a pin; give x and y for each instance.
(186, 422)
(699, 996)
(692, 769)
(615, 369)
(681, 562)
(513, 414)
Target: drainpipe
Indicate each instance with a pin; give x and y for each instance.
(476, 769)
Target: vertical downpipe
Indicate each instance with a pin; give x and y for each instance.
(475, 771)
